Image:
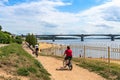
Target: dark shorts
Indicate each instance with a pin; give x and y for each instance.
(68, 57)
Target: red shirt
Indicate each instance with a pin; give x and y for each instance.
(68, 52)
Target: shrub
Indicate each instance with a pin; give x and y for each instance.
(32, 69)
(22, 72)
(18, 39)
(4, 38)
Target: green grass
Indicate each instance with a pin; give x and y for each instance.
(17, 61)
(23, 72)
(32, 69)
(100, 67)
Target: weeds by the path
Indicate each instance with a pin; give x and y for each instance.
(100, 67)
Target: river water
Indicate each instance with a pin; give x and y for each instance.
(96, 53)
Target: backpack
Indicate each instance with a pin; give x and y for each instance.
(37, 49)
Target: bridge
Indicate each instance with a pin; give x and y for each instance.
(82, 36)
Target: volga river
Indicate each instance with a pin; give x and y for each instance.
(104, 43)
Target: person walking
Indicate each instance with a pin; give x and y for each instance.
(36, 50)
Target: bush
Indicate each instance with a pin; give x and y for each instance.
(32, 69)
(18, 40)
(4, 38)
(22, 72)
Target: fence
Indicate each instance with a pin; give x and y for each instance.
(109, 53)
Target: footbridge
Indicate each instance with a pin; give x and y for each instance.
(82, 36)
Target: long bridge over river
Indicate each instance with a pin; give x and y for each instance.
(82, 36)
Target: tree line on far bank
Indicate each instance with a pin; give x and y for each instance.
(7, 37)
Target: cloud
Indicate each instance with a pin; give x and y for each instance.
(112, 14)
(48, 25)
(2, 2)
(30, 17)
(42, 17)
(106, 14)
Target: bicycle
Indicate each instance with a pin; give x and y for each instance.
(69, 64)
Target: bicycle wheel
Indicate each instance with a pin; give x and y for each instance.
(70, 66)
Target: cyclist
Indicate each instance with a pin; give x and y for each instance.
(68, 55)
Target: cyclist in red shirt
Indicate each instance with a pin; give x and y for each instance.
(68, 55)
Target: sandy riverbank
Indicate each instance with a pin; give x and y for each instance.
(45, 45)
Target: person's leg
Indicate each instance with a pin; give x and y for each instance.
(69, 60)
(36, 53)
(65, 62)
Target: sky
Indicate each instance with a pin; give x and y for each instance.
(60, 16)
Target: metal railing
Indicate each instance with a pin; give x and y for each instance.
(98, 52)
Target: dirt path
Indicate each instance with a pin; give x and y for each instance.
(1, 45)
(76, 74)
(50, 64)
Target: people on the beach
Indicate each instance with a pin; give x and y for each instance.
(68, 55)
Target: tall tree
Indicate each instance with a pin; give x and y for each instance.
(31, 39)
(0, 27)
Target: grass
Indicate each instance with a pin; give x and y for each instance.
(100, 67)
(97, 66)
(23, 71)
(17, 62)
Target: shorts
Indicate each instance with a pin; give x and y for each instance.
(68, 57)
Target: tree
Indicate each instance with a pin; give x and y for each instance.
(0, 27)
(4, 38)
(7, 32)
(31, 39)
(18, 39)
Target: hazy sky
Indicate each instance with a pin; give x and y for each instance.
(60, 16)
